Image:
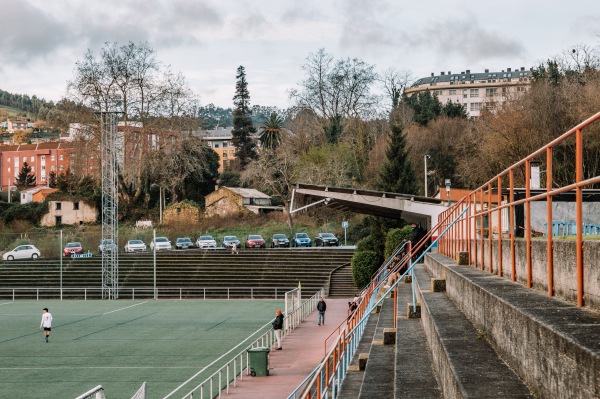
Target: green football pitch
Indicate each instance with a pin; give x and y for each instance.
(119, 344)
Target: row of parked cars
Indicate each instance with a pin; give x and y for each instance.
(29, 251)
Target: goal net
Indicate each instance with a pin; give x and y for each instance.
(292, 305)
(94, 393)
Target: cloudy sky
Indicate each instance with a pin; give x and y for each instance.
(207, 40)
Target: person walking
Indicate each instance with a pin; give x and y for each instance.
(46, 323)
(234, 248)
(321, 307)
(278, 326)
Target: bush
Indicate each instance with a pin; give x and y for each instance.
(395, 237)
(31, 212)
(364, 264)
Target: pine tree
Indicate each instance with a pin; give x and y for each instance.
(242, 121)
(25, 178)
(52, 183)
(397, 174)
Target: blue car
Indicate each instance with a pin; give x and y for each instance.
(301, 240)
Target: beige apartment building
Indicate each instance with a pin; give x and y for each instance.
(475, 90)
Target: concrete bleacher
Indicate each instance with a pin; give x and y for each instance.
(480, 336)
(205, 274)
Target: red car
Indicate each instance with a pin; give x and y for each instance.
(73, 248)
(255, 241)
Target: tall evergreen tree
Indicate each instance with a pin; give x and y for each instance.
(25, 178)
(397, 174)
(243, 129)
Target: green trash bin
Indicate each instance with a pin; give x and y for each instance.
(259, 361)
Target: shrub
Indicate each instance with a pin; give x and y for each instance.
(31, 212)
(364, 264)
(395, 237)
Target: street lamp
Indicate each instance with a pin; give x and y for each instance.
(425, 158)
(448, 182)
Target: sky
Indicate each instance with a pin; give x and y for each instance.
(41, 40)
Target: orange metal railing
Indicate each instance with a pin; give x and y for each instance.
(494, 202)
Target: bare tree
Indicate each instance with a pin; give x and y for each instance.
(394, 82)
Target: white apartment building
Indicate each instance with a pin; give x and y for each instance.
(476, 91)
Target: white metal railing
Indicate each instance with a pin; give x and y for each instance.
(89, 293)
(233, 370)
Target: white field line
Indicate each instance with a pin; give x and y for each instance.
(126, 307)
(6, 303)
(97, 367)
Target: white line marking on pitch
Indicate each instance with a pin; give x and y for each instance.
(97, 367)
(6, 303)
(126, 307)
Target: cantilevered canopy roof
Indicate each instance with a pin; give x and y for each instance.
(412, 208)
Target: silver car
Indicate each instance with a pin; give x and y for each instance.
(160, 244)
(135, 246)
(27, 251)
(206, 242)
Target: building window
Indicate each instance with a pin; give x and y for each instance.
(8, 159)
(520, 88)
(43, 177)
(225, 144)
(52, 168)
(59, 206)
(24, 159)
(61, 167)
(465, 93)
(8, 170)
(216, 146)
(31, 159)
(43, 167)
(58, 220)
(224, 154)
(60, 157)
(43, 159)
(475, 107)
(76, 206)
(452, 92)
(474, 93)
(52, 157)
(232, 152)
(33, 169)
(491, 92)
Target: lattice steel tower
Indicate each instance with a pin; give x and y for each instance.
(110, 206)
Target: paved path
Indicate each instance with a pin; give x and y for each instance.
(302, 350)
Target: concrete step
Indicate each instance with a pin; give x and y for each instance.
(551, 343)
(465, 362)
(378, 380)
(352, 382)
(414, 378)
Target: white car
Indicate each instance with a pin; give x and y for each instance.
(161, 244)
(135, 246)
(106, 245)
(22, 252)
(206, 242)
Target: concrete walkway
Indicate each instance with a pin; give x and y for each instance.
(303, 349)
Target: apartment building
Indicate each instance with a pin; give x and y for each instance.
(43, 158)
(475, 90)
(220, 140)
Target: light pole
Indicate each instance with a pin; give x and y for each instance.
(425, 158)
(448, 182)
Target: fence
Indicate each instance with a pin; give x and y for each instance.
(235, 368)
(484, 246)
(90, 293)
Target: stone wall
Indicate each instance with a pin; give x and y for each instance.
(565, 270)
(181, 213)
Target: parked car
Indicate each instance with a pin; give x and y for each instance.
(135, 246)
(206, 242)
(184, 243)
(301, 240)
(228, 241)
(326, 239)
(26, 251)
(161, 244)
(255, 241)
(73, 248)
(106, 245)
(279, 240)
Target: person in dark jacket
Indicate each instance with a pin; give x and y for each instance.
(278, 326)
(321, 307)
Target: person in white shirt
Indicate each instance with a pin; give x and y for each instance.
(46, 323)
